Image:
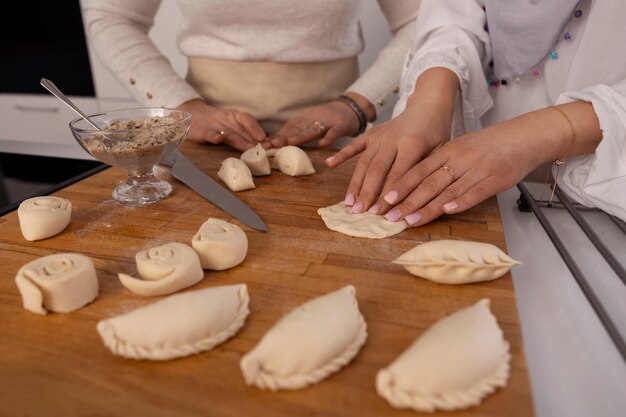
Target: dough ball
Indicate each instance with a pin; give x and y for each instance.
(43, 217)
(61, 283)
(220, 244)
(256, 160)
(291, 160)
(236, 174)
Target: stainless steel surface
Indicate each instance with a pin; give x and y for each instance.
(575, 368)
(50, 86)
(185, 171)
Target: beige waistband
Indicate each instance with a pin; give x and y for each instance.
(270, 91)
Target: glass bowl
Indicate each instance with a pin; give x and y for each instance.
(136, 140)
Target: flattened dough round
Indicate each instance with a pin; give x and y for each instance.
(341, 219)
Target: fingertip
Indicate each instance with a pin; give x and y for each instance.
(331, 161)
(450, 207)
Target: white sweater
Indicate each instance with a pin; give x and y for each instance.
(283, 31)
(590, 67)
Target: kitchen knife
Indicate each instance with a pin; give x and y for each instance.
(184, 170)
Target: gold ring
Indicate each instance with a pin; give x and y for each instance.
(320, 126)
(448, 169)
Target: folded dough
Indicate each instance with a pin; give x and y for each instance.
(341, 219)
(453, 365)
(235, 174)
(308, 344)
(43, 217)
(61, 283)
(179, 325)
(291, 160)
(256, 160)
(456, 261)
(220, 245)
(165, 269)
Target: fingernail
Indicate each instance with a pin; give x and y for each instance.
(394, 215)
(358, 208)
(413, 218)
(451, 206)
(330, 160)
(374, 209)
(391, 197)
(275, 142)
(349, 201)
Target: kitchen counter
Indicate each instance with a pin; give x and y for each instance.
(57, 364)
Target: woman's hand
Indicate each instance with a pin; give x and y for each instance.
(389, 151)
(474, 167)
(326, 122)
(457, 176)
(211, 124)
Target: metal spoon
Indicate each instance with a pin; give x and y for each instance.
(50, 86)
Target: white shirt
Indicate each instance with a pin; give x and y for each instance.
(283, 31)
(590, 67)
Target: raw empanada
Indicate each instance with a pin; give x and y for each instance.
(43, 217)
(308, 344)
(235, 174)
(179, 325)
(456, 261)
(165, 269)
(61, 283)
(453, 365)
(256, 159)
(220, 245)
(341, 219)
(291, 160)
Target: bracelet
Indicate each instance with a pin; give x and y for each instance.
(559, 162)
(360, 114)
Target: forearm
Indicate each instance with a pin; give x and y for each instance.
(433, 98)
(546, 135)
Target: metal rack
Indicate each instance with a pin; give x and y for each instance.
(528, 203)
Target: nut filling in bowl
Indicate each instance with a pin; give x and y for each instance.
(135, 140)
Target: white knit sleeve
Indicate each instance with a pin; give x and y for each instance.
(451, 34)
(380, 82)
(118, 33)
(599, 179)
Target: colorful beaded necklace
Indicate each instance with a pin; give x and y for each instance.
(493, 81)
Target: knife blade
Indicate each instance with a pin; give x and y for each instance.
(184, 170)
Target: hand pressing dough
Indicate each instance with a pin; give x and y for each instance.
(453, 365)
(456, 261)
(341, 219)
(256, 160)
(310, 343)
(179, 325)
(220, 245)
(61, 283)
(165, 269)
(235, 174)
(43, 217)
(291, 160)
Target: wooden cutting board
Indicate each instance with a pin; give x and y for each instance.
(57, 365)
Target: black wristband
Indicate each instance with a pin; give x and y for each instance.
(360, 114)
